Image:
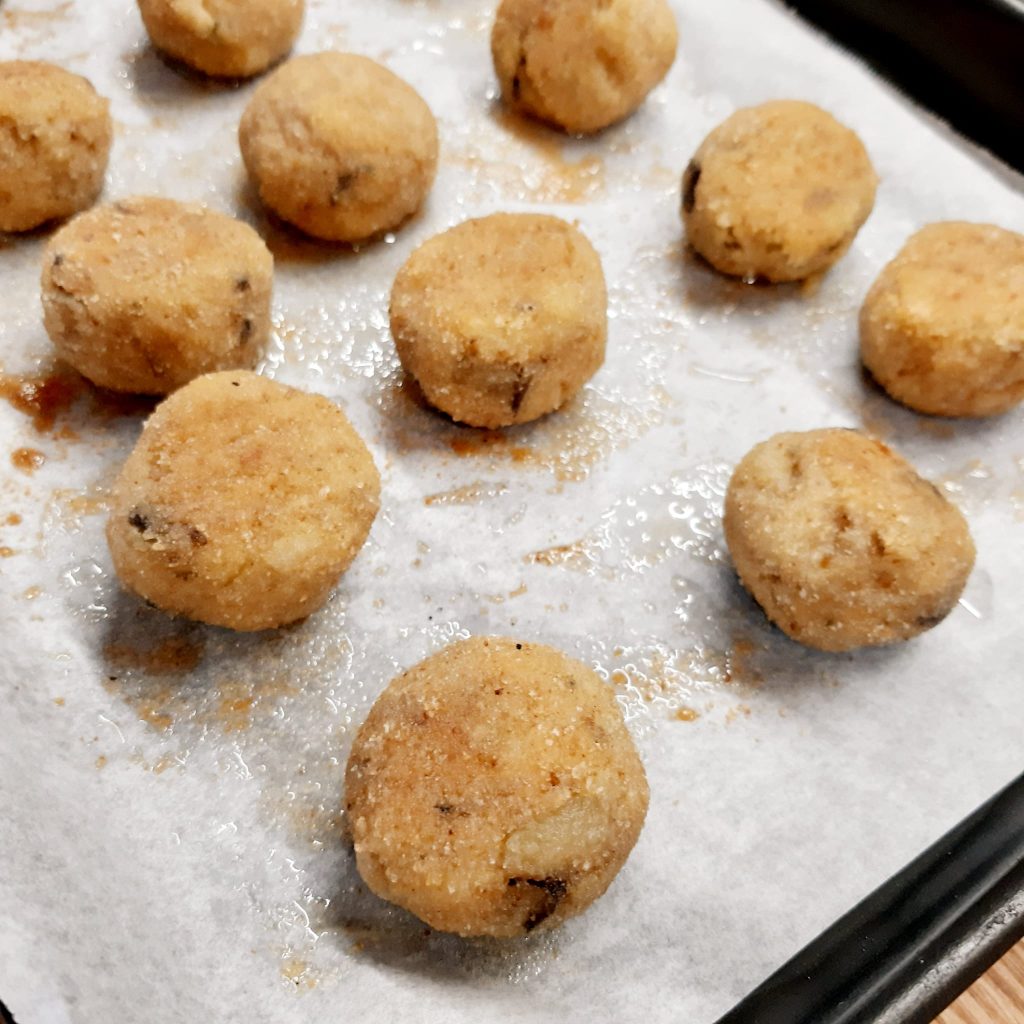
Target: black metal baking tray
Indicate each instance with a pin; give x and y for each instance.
(911, 947)
(904, 953)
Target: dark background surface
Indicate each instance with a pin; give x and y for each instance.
(962, 59)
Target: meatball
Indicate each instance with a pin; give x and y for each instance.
(145, 294)
(841, 542)
(224, 38)
(777, 192)
(339, 146)
(54, 147)
(501, 319)
(242, 503)
(581, 65)
(494, 789)
(942, 328)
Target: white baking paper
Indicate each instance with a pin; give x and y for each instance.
(170, 794)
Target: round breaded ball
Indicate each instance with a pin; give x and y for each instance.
(145, 294)
(777, 192)
(581, 65)
(339, 146)
(54, 144)
(224, 38)
(942, 328)
(841, 542)
(501, 319)
(494, 789)
(242, 503)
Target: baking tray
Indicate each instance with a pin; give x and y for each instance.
(911, 947)
(608, 540)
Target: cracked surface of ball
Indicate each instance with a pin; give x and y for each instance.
(942, 328)
(777, 192)
(841, 542)
(501, 319)
(224, 38)
(242, 503)
(581, 65)
(54, 145)
(494, 789)
(145, 294)
(339, 146)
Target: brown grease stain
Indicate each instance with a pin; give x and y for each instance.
(570, 556)
(173, 656)
(734, 713)
(151, 715)
(6, 552)
(738, 667)
(235, 710)
(649, 683)
(494, 442)
(28, 460)
(471, 444)
(163, 704)
(85, 503)
(490, 441)
(567, 443)
(298, 973)
(14, 15)
(547, 174)
(13, 519)
(101, 761)
(48, 396)
(166, 761)
(44, 397)
(469, 494)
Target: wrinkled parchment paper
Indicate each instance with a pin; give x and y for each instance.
(170, 794)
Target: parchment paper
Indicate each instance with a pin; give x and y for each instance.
(170, 794)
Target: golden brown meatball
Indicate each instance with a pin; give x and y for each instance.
(242, 503)
(942, 328)
(841, 543)
(494, 789)
(339, 146)
(777, 192)
(146, 294)
(224, 38)
(578, 64)
(54, 146)
(501, 319)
